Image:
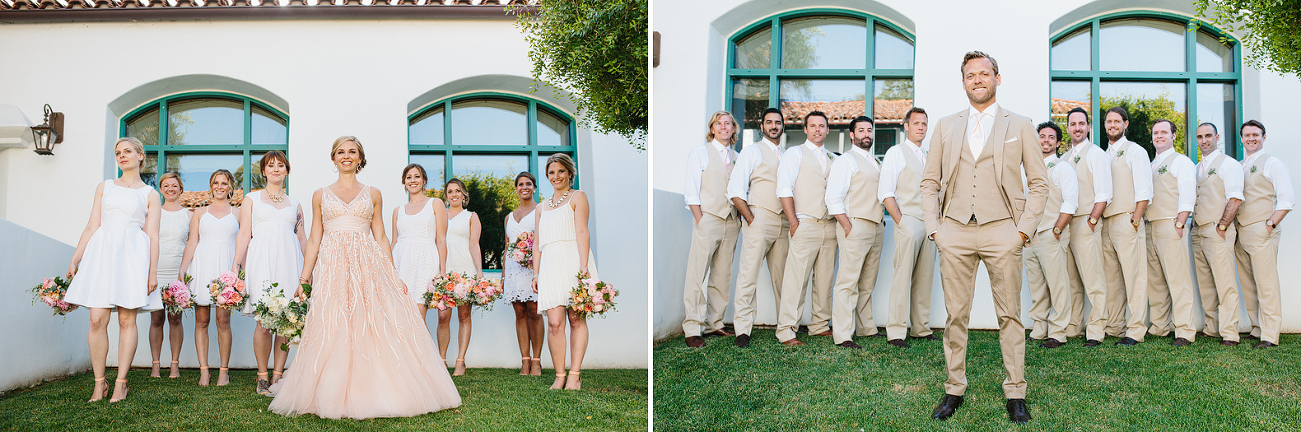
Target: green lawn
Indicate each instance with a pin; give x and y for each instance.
(1150, 387)
(492, 400)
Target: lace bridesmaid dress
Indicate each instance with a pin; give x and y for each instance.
(365, 353)
(517, 281)
(214, 253)
(274, 255)
(416, 253)
(558, 269)
(458, 244)
(114, 269)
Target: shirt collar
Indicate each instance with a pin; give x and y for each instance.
(864, 153)
(1251, 159)
(1165, 154)
(718, 147)
(1050, 159)
(771, 146)
(1207, 157)
(814, 147)
(1080, 147)
(990, 110)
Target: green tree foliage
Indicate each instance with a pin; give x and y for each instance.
(1270, 29)
(896, 89)
(596, 51)
(1143, 111)
(492, 198)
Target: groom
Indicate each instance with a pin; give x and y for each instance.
(976, 211)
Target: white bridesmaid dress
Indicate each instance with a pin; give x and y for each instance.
(274, 255)
(214, 253)
(558, 269)
(173, 232)
(458, 244)
(416, 253)
(517, 281)
(114, 269)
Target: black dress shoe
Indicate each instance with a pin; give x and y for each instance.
(849, 344)
(1030, 339)
(1018, 411)
(947, 407)
(876, 335)
(1092, 343)
(742, 340)
(1127, 341)
(695, 342)
(1249, 336)
(1181, 342)
(1229, 343)
(931, 336)
(1202, 334)
(1264, 344)
(1051, 343)
(802, 329)
(899, 343)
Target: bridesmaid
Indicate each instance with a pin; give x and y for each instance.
(212, 251)
(564, 251)
(516, 280)
(270, 249)
(419, 237)
(462, 257)
(115, 263)
(173, 231)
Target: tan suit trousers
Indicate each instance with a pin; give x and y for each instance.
(1257, 253)
(913, 280)
(1087, 279)
(1050, 285)
(1216, 279)
(766, 238)
(860, 258)
(962, 247)
(1169, 282)
(1124, 259)
(812, 251)
(713, 243)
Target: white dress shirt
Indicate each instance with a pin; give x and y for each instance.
(790, 169)
(1064, 179)
(1100, 165)
(985, 121)
(1276, 172)
(893, 164)
(1229, 170)
(1139, 167)
(842, 170)
(750, 158)
(1185, 176)
(697, 160)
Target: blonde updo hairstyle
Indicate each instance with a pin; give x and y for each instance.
(465, 193)
(138, 146)
(171, 175)
(361, 151)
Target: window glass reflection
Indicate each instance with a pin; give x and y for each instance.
(552, 131)
(144, 127)
(1146, 103)
(196, 169)
(749, 99)
(1072, 51)
(1141, 44)
(433, 164)
(205, 122)
(893, 51)
(1213, 56)
(489, 122)
(427, 129)
(891, 100)
(1216, 104)
(268, 128)
(755, 51)
(828, 42)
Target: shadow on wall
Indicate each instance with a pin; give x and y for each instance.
(672, 243)
(37, 346)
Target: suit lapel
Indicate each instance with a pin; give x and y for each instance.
(996, 139)
(954, 152)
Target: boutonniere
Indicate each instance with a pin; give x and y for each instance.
(1162, 170)
(830, 156)
(1211, 172)
(1051, 165)
(1253, 168)
(1077, 159)
(1120, 153)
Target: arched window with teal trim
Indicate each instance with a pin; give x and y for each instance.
(1155, 65)
(195, 134)
(826, 60)
(486, 139)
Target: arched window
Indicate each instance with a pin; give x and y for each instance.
(195, 134)
(485, 141)
(825, 60)
(1156, 65)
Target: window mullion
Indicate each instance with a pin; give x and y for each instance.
(775, 52)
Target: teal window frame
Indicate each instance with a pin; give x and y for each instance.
(247, 149)
(1189, 77)
(775, 75)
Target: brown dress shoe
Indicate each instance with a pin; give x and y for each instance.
(793, 342)
(1202, 334)
(1249, 336)
(825, 333)
(1229, 343)
(1051, 343)
(695, 342)
(720, 332)
(931, 336)
(849, 344)
(1181, 342)
(899, 343)
(1264, 344)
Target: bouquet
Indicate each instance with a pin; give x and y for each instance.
(228, 290)
(51, 292)
(177, 297)
(439, 294)
(283, 315)
(592, 296)
(521, 250)
(458, 289)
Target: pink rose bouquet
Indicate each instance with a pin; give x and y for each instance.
(177, 296)
(51, 292)
(441, 292)
(456, 289)
(592, 296)
(228, 290)
(521, 250)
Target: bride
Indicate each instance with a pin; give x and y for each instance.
(365, 352)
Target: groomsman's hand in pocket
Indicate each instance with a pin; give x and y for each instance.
(795, 223)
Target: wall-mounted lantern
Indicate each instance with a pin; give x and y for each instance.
(48, 134)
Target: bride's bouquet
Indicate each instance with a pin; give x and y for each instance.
(283, 315)
(51, 292)
(177, 297)
(592, 296)
(457, 289)
(521, 250)
(228, 290)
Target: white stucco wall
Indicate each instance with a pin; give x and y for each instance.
(332, 77)
(691, 83)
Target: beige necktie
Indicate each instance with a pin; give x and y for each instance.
(976, 140)
(727, 161)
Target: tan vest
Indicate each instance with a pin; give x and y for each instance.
(713, 185)
(1210, 196)
(908, 186)
(1165, 193)
(861, 201)
(763, 181)
(1053, 207)
(811, 185)
(1257, 194)
(1084, 175)
(971, 178)
(1122, 181)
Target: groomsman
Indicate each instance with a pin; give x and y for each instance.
(1174, 191)
(1267, 198)
(914, 252)
(1219, 193)
(802, 188)
(1093, 177)
(983, 150)
(753, 190)
(713, 236)
(851, 200)
(1124, 242)
(1045, 257)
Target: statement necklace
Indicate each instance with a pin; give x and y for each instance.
(275, 198)
(552, 202)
